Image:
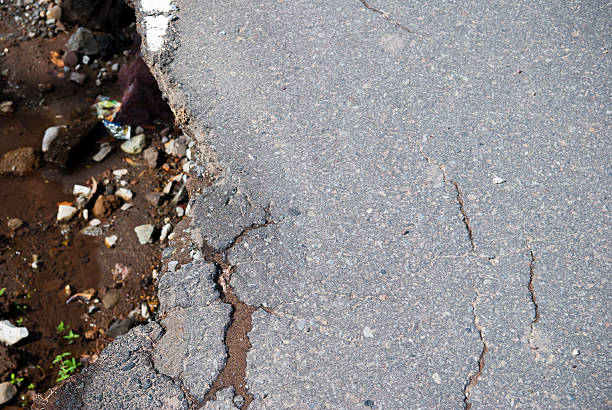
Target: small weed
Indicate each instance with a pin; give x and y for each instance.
(21, 308)
(2, 291)
(16, 380)
(19, 321)
(60, 328)
(31, 386)
(71, 336)
(67, 366)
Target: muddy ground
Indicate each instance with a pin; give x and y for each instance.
(44, 263)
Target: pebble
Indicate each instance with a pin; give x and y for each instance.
(120, 172)
(436, 378)
(369, 403)
(180, 211)
(65, 213)
(144, 233)
(498, 180)
(83, 41)
(124, 194)
(14, 224)
(71, 59)
(154, 198)
(151, 156)
(144, 310)
(78, 78)
(105, 205)
(105, 149)
(134, 145)
(11, 334)
(91, 231)
(110, 299)
(165, 230)
(110, 241)
(125, 207)
(367, 332)
(120, 327)
(85, 59)
(575, 352)
(115, 67)
(95, 222)
(6, 107)
(7, 392)
(172, 265)
(79, 190)
(175, 148)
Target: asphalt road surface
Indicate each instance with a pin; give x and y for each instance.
(412, 200)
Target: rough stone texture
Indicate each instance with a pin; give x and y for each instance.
(20, 161)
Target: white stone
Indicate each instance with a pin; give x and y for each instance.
(165, 230)
(436, 378)
(172, 265)
(50, 134)
(125, 207)
(85, 214)
(65, 213)
(498, 180)
(110, 241)
(367, 332)
(124, 194)
(135, 144)
(105, 149)
(11, 334)
(180, 211)
(575, 352)
(7, 392)
(144, 233)
(186, 166)
(95, 222)
(78, 190)
(144, 310)
(167, 188)
(120, 172)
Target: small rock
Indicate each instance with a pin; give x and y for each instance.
(45, 87)
(51, 134)
(91, 231)
(186, 167)
(71, 59)
(124, 194)
(85, 59)
(6, 107)
(110, 299)
(120, 172)
(498, 180)
(20, 161)
(176, 148)
(115, 67)
(78, 78)
(154, 198)
(90, 334)
(110, 241)
(575, 352)
(144, 233)
(105, 205)
(144, 310)
(120, 327)
(180, 211)
(436, 378)
(168, 187)
(367, 332)
(95, 222)
(83, 41)
(127, 206)
(65, 213)
(151, 156)
(11, 334)
(7, 392)
(172, 265)
(55, 12)
(105, 149)
(81, 190)
(14, 224)
(369, 403)
(134, 145)
(165, 230)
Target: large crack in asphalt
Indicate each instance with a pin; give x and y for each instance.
(530, 286)
(474, 377)
(466, 218)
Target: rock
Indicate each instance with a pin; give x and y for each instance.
(45, 87)
(106, 45)
(176, 148)
(110, 241)
(91, 231)
(135, 144)
(78, 78)
(20, 161)
(124, 194)
(141, 100)
(81, 190)
(7, 392)
(6, 107)
(14, 224)
(105, 149)
(172, 265)
(144, 233)
(71, 59)
(105, 205)
(95, 222)
(120, 327)
(110, 299)
(154, 198)
(73, 143)
(120, 172)
(11, 334)
(83, 41)
(115, 67)
(151, 156)
(51, 134)
(54, 12)
(127, 206)
(65, 213)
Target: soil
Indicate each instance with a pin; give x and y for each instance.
(43, 262)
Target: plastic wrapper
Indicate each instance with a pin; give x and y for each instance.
(120, 132)
(107, 109)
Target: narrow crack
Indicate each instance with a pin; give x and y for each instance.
(386, 16)
(236, 337)
(474, 377)
(536, 312)
(466, 218)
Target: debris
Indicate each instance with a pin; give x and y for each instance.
(120, 172)
(110, 299)
(167, 188)
(54, 12)
(110, 241)
(95, 222)
(105, 205)
(90, 334)
(120, 272)
(180, 195)
(85, 60)
(83, 297)
(172, 265)
(151, 156)
(118, 131)
(70, 59)
(107, 109)
(134, 145)
(14, 224)
(91, 231)
(51, 134)
(83, 41)
(105, 149)
(7, 392)
(11, 334)
(176, 148)
(120, 327)
(72, 142)
(6, 107)
(55, 59)
(81, 190)
(78, 78)
(65, 213)
(125, 194)
(180, 211)
(498, 180)
(144, 310)
(144, 233)
(125, 207)
(20, 161)
(154, 198)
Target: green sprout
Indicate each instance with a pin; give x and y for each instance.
(31, 386)
(2, 291)
(16, 380)
(67, 366)
(60, 328)
(19, 321)
(71, 336)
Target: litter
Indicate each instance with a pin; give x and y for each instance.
(120, 132)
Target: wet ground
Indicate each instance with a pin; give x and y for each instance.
(43, 263)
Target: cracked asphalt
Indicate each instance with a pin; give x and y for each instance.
(412, 198)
